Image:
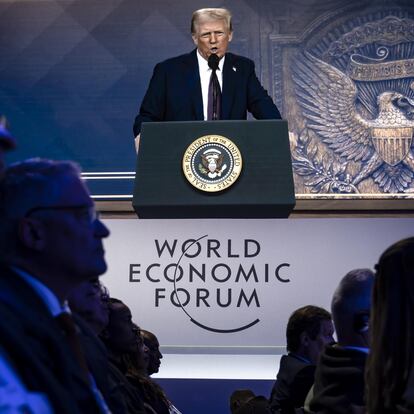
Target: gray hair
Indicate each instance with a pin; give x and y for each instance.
(210, 14)
(25, 185)
(352, 295)
(31, 183)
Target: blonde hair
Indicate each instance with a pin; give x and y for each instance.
(210, 14)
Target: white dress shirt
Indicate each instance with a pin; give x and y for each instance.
(205, 74)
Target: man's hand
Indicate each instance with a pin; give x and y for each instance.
(137, 139)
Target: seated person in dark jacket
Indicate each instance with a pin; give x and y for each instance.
(137, 371)
(50, 242)
(120, 338)
(89, 303)
(339, 380)
(136, 364)
(309, 331)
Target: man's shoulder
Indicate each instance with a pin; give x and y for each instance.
(341, 357)
(293, 362)
(238, 59)
(12, 286)
(191, 58)
(292, 367)
(179, 60)
(19, 298)
(340, 352)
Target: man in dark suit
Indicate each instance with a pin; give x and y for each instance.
(89, 303)
(14, 395)
(309, 331)
(340, 375)
(179, 88)
(50, 242)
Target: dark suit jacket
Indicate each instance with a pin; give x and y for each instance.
(38, 350)
(130, 394)
(294, 380)
(98, 363)
(174, 92)
(339, 381)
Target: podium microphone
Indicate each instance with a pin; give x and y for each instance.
(213, 61)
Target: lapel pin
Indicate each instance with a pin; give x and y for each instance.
(234, 69)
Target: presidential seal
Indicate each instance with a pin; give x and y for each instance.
(212, 163)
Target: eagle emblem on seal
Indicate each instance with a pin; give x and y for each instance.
(328, 96)
(212, 163)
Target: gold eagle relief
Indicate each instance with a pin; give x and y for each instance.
(362, 112)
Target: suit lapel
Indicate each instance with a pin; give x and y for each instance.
(229, 85)
(194, 85)
(40, 325)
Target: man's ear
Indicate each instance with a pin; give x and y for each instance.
(194, 37)
(32, 233)
(230, 36)
(304, 339)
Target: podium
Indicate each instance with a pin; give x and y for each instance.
(264, 188)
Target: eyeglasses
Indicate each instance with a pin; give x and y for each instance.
(86, 213)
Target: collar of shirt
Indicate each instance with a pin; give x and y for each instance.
(205, 74)
(358, 348)
(301, 358)
(48, 297)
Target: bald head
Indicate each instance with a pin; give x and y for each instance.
(351, 304)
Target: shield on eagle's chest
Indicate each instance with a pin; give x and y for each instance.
(392, 143)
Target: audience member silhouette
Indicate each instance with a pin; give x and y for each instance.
(14, 394)
(52, 359)
(120, 338)
(50, 242)
(7, 142)
(256, 405)
(390, 369)
(151, 393)
(137, 361)
(89, 303)
(339, 380)
(309, 331)
(239, 398)
(154, 353)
